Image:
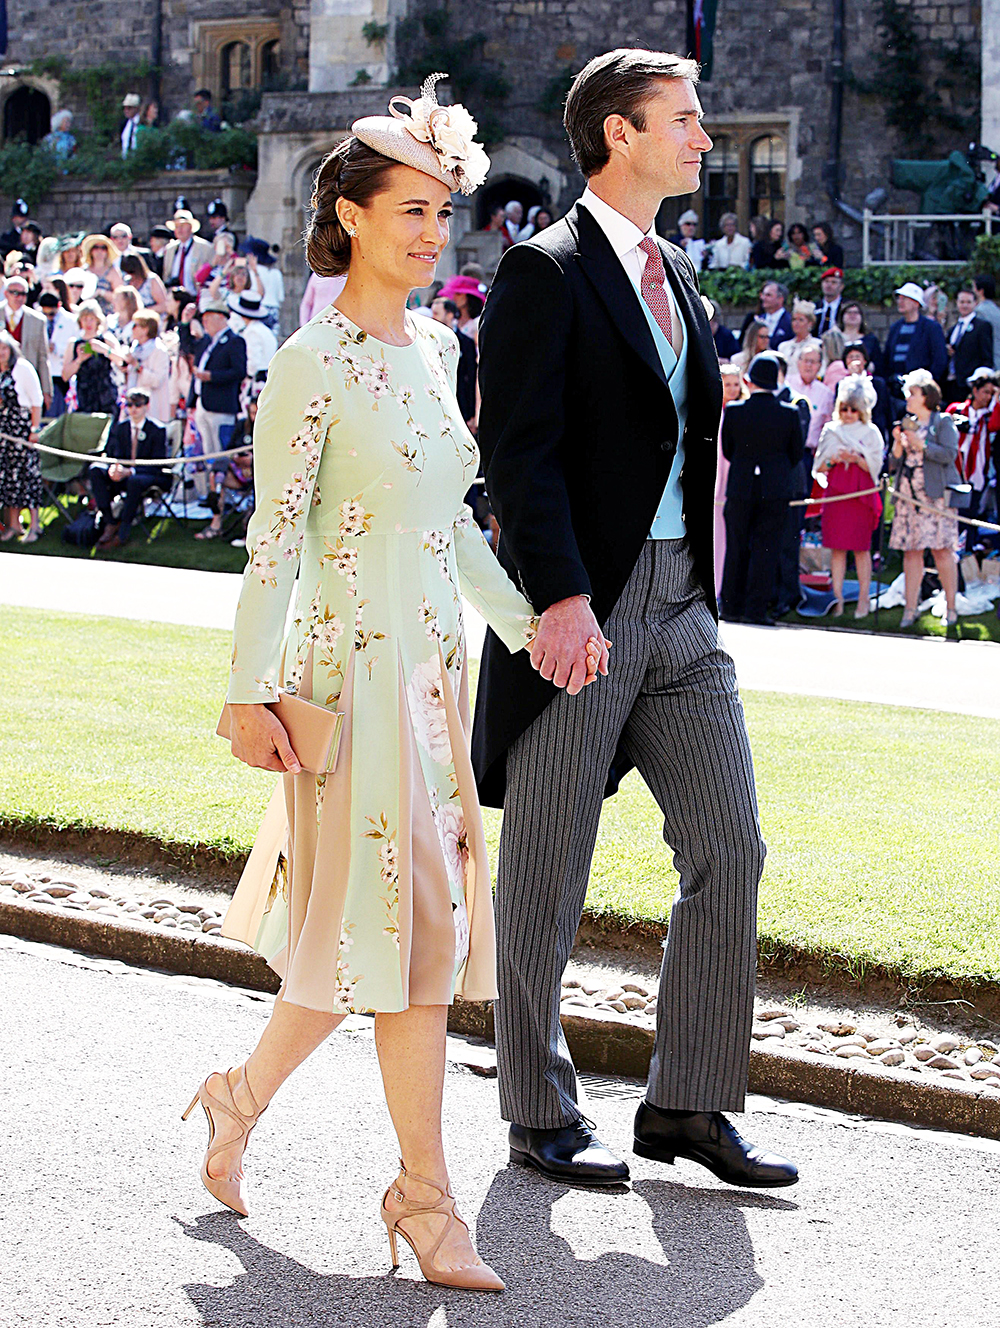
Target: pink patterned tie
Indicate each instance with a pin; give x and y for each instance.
(652, 287)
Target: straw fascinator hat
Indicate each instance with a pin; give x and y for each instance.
(438, 140)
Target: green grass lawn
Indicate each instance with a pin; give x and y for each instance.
(882, 823)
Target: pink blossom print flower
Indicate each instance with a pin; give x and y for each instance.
(425, 695)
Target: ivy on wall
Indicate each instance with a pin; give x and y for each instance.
(927, 89)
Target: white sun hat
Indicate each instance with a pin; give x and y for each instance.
(912, 291)
(438, 140)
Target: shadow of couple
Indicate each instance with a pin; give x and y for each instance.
(703, 1272)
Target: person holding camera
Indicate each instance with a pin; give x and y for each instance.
(924, 454)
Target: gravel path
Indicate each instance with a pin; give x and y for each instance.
(105, 1223)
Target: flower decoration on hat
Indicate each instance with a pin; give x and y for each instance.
(450, 131)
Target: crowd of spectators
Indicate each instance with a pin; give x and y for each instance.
(817, 408)
(181, 328)
(767, 246)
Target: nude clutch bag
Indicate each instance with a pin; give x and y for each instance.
(313, 731)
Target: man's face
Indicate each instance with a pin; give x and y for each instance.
(182, 229)
(217, 223)
(729, 227)
(688, 229)
(832, 287)
(907, 307)
(771, 298)
(137, 411)
(666, 157)
(965, 302)
(200, 105)
(213, 322)
(441, 314)
(16, 293)
(809, 362)
(516, 213)
(121, 239)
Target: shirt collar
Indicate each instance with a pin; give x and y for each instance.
(623, 235)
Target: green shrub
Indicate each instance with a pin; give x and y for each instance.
(27, 172)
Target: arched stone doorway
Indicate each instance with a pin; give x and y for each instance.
(27, 114)
(501, 192)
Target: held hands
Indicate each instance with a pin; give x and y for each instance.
(569, 648)
(259, 739)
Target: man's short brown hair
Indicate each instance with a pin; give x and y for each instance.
(618, 83)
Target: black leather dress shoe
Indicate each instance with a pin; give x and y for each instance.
(573, 1155)
(708, 1137)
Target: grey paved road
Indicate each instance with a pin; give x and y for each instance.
(103, 1221)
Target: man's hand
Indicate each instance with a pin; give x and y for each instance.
(204, 374)
(559, 651)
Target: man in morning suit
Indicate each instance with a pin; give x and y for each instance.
(970, 345)
(599, 444)
(763, 442)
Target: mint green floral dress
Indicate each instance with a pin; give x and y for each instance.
(368, 888)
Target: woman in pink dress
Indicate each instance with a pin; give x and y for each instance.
(733, 389)
(848, 461)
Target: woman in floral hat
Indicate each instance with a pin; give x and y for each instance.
(368, 887)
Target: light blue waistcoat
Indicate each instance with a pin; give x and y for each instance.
(669, 520)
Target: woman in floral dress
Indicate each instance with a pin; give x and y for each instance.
(368, 888)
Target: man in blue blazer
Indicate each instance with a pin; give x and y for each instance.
(220, 365)
(914, 342)
(773, 297)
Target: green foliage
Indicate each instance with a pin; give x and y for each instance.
(100, 87)
(181, 145)
(375, 33)
(27, 171)
(425, 45)
(925, 87)
(361, 78)
(553, 99)
(986, 257)
(870, 285)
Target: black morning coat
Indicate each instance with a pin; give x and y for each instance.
(228, 366)
(578, 430)
(761, 440)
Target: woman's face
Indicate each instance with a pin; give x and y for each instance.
(801, 326)
(797, 235)
(99, 257)
(121, 306)
(239, 278)
(856, 363)
(730, 388)
(4, 357)
(915, 402)
(140, 332)
(402, 231)
(543, 220)
(849, 414)
(776, 232)
(88, 325)
(852, 317)
(763, 340)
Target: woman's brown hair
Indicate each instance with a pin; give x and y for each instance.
(353, 171)
(931, 394)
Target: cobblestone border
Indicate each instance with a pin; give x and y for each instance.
(602, 1040)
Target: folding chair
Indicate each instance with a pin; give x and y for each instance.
(159, 500)
(74, 431)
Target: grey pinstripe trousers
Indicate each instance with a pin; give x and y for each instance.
(670, 697)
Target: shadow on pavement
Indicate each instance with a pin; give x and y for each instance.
(703, 1271)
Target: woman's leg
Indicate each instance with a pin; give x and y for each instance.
(947, 568)
(293, 1033)
(913, 572)
(411, 1056)
(838, 569)
(863, 563)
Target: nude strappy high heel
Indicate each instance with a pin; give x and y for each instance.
(476, 1277)
(227, 1189)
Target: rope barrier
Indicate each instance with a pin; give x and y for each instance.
(101, 458)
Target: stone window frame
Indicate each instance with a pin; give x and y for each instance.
(743, 131)
(211, 37)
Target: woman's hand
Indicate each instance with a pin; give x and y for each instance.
(259, 739)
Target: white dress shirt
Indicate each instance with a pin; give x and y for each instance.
(130, 133)
(960, 328)
(624, 236)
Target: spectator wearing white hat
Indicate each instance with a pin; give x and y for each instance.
(914, 341)
(687, 238)
(131, 104)
(186, 252)
(247, 321)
